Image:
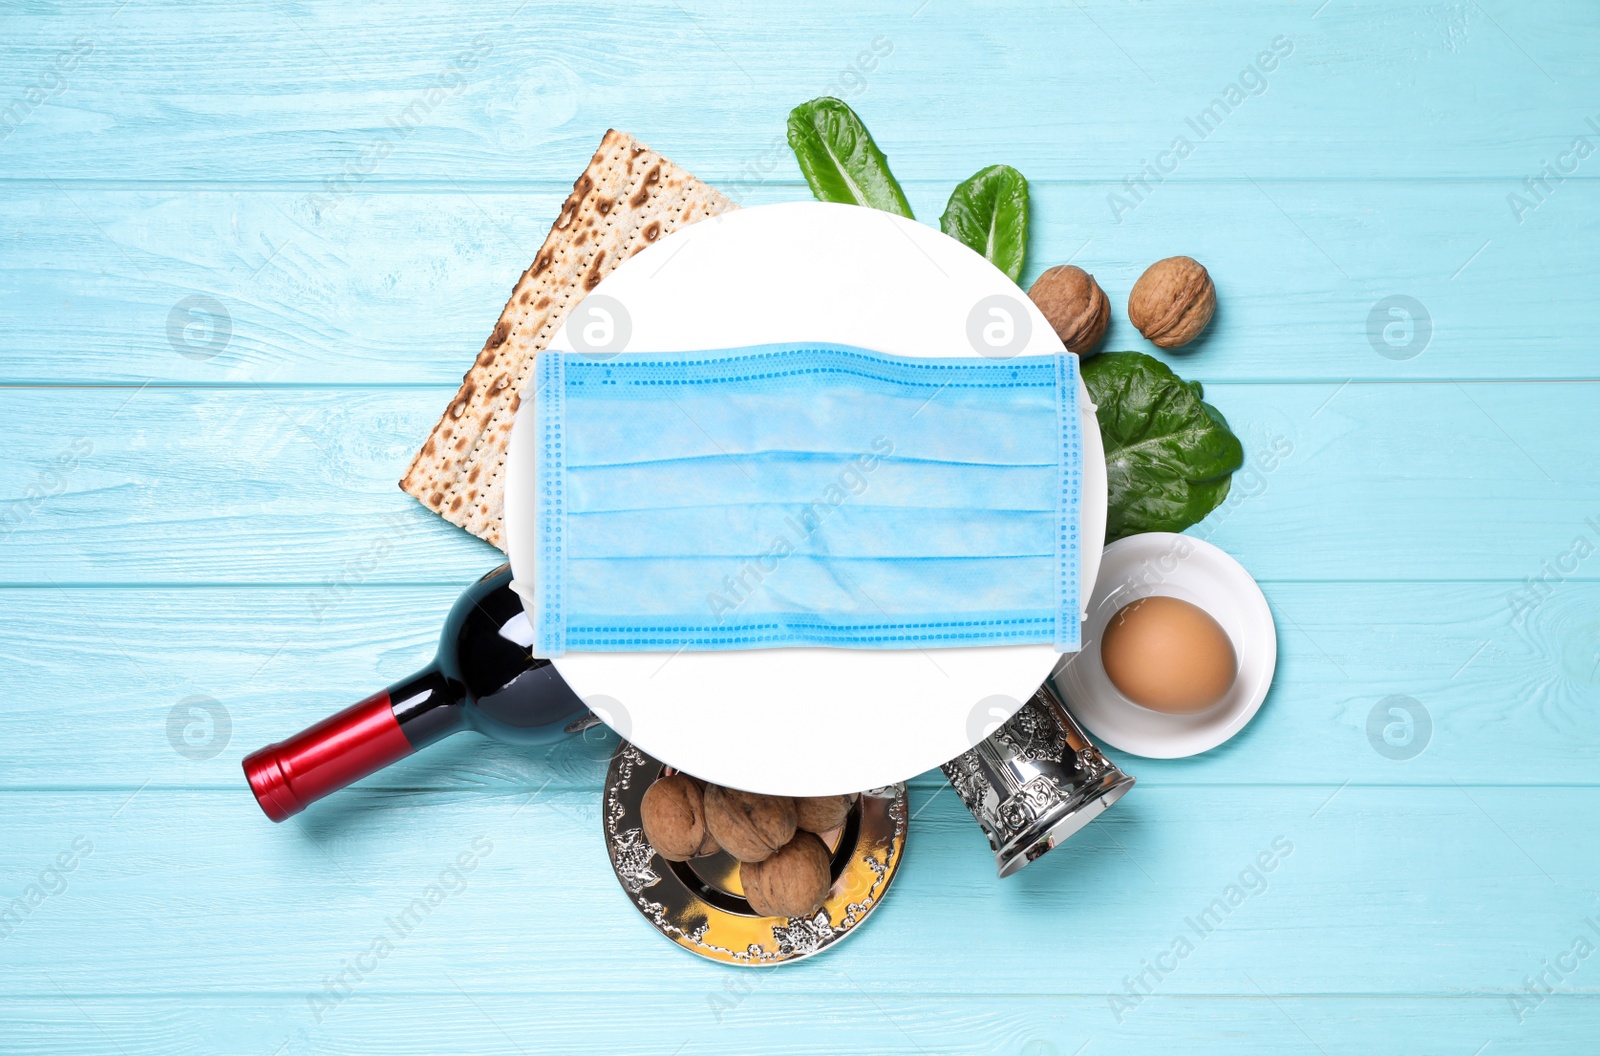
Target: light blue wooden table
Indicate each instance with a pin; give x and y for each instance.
(204, 548)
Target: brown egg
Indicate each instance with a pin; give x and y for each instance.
(1168, 655)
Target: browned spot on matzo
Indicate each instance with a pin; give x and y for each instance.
(642, 195)
(597, 271)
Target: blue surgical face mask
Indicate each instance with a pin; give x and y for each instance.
(805, 495)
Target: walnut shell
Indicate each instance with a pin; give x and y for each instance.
(1075, 305)
(793, 882)
(748, 825)
(674, 819)
(821, 814)
(1172, 301)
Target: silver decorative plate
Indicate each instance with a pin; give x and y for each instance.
(700, 905)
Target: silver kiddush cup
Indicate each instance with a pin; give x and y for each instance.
(1035, 781)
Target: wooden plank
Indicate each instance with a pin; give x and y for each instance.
(711, 1010)
(403, 286)
(1375, 891)
(163, 467)
(1432, 481)
(173, 686)
(487, 91)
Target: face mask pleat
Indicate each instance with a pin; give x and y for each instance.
(784, 480)
(969, 427)
(845, 531)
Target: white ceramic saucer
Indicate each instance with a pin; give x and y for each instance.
(1178, 566)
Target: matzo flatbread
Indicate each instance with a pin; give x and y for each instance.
(628, 198)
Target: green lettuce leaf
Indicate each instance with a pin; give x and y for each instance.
(1170, 456)
(839, 159)
(989, 213)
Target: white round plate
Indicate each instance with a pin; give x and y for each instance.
(1177, 566)
(806, 721)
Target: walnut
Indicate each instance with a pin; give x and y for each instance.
(1172, 301)
(821, 814)
(1075, 305)
(793, 882)
(674, 818)
(748, 825)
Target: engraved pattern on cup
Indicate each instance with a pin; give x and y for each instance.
(1034, 781)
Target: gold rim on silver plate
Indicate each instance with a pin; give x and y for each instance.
(699, 904)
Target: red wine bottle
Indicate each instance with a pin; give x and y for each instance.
(483, 678)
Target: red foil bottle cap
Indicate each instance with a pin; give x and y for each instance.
(288, 776)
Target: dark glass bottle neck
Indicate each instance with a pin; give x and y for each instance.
(428, 706)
